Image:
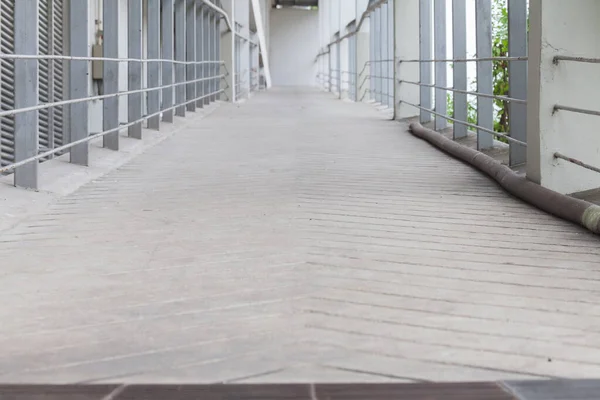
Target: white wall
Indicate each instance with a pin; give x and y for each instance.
(568, 31)
(294, 46)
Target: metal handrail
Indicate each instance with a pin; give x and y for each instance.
(67, 146)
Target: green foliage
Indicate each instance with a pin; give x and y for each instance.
(500, 70)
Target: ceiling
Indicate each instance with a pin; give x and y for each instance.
(295, 3)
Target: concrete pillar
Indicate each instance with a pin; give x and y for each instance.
(406, 17)
(558, 30)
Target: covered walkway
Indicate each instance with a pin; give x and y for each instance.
(296, 237)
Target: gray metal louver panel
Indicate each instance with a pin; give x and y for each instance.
(44, 73)
(51, 42)
(7, 72)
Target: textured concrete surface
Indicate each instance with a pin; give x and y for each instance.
(298, 238)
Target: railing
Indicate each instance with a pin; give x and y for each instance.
(378, 69)
(388, 77)
(435, 93)
(558, 107)
(181, 71)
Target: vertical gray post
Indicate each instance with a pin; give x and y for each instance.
(180, 6)
(153, 67)
(199, 53)
(134, 69)
(218, 58)
(79, 79)
(378, 55)
(110, 106)
(213, 45)
(167, 54)
(485, 106)
(517, 77)
(330, 67)
(391, 56)
(384, 53)
(425, 54)
(190, 44)
(440, 53)
(206, 52)
(372, 64)
(338, 56)
(459, 72)
(26, 92)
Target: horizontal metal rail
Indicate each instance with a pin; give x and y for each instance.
(466, 59)
(576, 110)
(588, 60)
(363, 17)
(67, 146)
(104, 96)
(391, 96)
(8, 56)
(222, 12)
(474, 126)
(488, 96)
(576, 162)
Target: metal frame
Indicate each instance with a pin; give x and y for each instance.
(163, 17)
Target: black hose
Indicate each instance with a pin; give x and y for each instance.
(571, 209)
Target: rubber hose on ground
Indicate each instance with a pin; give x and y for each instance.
(571, 209)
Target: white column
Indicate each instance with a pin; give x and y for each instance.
(560, 30)
(363, 39)
(406, 20)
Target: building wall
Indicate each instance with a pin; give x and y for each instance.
(294, 46)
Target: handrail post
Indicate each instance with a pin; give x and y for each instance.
(110, 81)
(79, 80)
(26, 92)
(153, 67)
(134, 69)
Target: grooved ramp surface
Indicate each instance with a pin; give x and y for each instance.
(296, 238)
